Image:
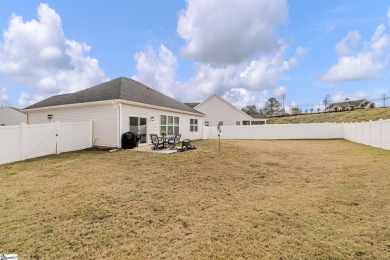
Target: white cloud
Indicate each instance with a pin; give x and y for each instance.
(388, 14)
(255, 75)
(234, 47)
(230, 31)
(368, 63)
(280, 91)
(345, 47)
(3, 96)
(358, 67)
(157, 68)
(300, 52)
(37, 54)
(341, 96)
(240, 97)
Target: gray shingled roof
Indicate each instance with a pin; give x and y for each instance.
(259, 116)
(191, 105)
(120, 88)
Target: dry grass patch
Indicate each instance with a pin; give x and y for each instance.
(255, 199)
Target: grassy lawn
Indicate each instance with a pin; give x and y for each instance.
(255, 199)
(357, 115)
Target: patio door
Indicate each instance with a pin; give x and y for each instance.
(138, 125)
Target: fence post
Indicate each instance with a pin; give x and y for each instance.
(380, 133)
(90, 133)
(57, 127)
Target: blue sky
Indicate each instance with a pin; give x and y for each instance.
(245, 51)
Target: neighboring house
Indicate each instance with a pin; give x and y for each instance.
(219, 111)
(349, 105)
(11, 116)
(119, 106)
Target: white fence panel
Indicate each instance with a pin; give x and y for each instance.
(366, 133)
(10, 144)
(282, 131)
(30, 141)
(373, 133)
(385, 134)
(73, 136)
(38, 140)
(375, 136)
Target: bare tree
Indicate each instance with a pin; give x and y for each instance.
(326, 101)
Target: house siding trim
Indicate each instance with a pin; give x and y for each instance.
(113, 102)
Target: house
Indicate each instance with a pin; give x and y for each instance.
(349, 105)
(219, 111)
(11, 116)
(119, 106)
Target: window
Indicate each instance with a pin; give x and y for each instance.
(206, 123)
(50, 117)
(220, 123)
(169, 124)
(238, 123)
(193, 125)
(246, 122)
(2, 124)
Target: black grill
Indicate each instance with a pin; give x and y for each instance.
(130, 140)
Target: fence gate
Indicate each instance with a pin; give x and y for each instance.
(21, 142)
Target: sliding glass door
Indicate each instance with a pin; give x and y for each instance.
(138, 126)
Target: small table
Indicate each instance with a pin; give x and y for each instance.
(164, 140)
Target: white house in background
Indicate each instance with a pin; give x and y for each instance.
(11, 116)
(119, 106)
(219, 111)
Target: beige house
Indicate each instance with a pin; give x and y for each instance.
(11, 116)
(119, 106)
(219, 111)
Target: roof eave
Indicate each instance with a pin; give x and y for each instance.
(96, 103)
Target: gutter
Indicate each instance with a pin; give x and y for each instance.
(96, 103)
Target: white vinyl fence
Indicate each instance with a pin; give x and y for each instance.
(23, 141)
(282, 131)
(372, 133)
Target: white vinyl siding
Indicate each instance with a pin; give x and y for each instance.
(153, 118)
(217, 109)
(10, 116)
(106, 132)
(104, 117)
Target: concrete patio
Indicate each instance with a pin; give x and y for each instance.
(149, 149)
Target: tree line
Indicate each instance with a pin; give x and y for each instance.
(273, 107)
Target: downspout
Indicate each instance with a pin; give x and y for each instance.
(120, 125)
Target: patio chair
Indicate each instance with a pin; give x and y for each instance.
(174, 140)
(157, 142)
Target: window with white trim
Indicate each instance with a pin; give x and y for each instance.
(169, 124)
(193, 125)
(238, 123)
(206, 123)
